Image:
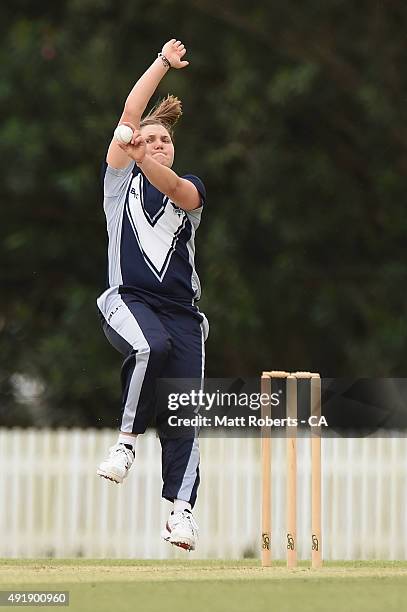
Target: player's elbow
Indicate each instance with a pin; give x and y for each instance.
(185, 195)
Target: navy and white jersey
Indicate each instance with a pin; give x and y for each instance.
(151, 240)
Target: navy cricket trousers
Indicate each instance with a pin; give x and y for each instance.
(159, 340)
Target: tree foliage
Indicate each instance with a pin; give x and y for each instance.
(295, 118)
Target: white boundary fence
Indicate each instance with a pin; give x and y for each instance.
(53, 504)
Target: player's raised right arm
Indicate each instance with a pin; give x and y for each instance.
(141, 93)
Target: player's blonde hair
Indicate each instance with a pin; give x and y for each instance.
(166, 112)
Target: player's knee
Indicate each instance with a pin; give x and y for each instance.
(159, 348)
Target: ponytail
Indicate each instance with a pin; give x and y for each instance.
(166, 112)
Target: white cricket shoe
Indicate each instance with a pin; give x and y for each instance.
(181, 530)
(117, 464)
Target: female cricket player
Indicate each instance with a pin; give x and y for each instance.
(149, 310)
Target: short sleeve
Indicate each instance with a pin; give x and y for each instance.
(198, 184)
(114, 180)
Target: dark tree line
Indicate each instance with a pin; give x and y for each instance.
(294, 117)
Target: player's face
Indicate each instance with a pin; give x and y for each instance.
(159, 144)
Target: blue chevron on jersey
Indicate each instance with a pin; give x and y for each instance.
(156, 236)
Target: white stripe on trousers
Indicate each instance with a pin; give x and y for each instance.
(188, 481)
(125, 324)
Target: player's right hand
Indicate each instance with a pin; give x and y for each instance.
(136, 148)
(174, 51)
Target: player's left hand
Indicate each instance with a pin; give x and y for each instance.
(174, 51)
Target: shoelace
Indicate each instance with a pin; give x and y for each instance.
(127, 454)
(180, 516)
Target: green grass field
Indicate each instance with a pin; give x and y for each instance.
(212, 586)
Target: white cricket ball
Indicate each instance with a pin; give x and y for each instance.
(123, 134)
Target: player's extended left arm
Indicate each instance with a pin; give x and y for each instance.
(180, 191)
